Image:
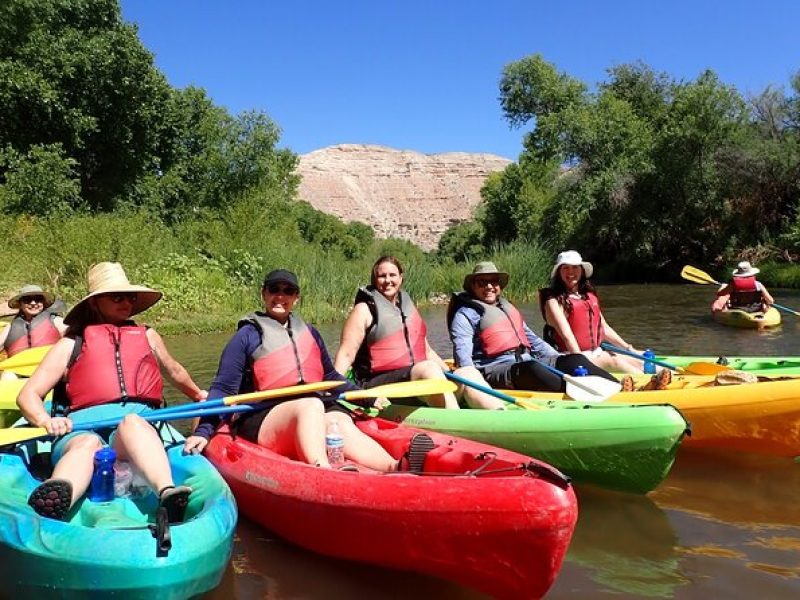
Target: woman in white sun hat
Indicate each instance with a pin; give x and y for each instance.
(105, 366)
(743, 291)
(573, 319)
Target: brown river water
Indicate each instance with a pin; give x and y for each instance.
(718, 527)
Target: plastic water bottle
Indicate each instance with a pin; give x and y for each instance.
(102, 485)
(580, 371)
(649, 366)
(123, 477)
(334, 445)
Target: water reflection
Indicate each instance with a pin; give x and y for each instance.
(623, 544)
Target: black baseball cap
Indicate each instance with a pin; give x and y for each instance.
(280, 276)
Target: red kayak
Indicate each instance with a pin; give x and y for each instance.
(483, 517)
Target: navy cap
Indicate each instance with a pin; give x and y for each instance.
(280, 275)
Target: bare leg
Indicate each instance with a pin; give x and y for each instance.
(476, 398)
(618, 363)
(359, 447)
(136, 441)
(296, 427)
(77, 463)
(427, 369)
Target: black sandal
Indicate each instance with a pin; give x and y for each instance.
(418, 449)
(174, 500)
(52, 499)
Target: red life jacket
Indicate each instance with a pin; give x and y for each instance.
(287, 355)
(585, 321)
(24, 334)
(396, 338)
(115, 364)
(501, 328)
(744, 292)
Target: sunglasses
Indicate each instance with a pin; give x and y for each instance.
(119, 297)
(286, 290)
(481, 282)
(32, 299)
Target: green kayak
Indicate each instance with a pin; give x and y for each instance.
(622, 447)
(768, 366)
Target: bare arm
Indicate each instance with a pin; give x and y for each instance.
(609, 334)
(555, 317)
(431, 354)
(767, 296)
(4, 334)
(174, 370)
(59, 324)
(44, 379)
(353, 333)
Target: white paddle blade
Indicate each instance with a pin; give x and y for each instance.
(591, 388)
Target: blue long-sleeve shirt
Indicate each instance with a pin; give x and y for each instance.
(234, 372)
(468, 349)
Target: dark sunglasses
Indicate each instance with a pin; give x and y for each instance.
(32, 300)
(286, 290)
(119, 297)
(481, 282)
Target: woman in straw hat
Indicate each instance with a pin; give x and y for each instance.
(384, 338)
(573, 319)
(37, 322)
(275, 348)
(492, 341)
(743, 291)
(105, 366)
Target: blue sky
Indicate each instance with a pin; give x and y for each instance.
(424, 76)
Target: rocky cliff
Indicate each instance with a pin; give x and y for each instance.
(399, 193)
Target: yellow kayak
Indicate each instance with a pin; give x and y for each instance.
(747, 320)
(759, 417)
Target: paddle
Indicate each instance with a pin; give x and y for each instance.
(695, 275)
(25, 362)
(15, 435)
(403, 389)
(9, 390)
(695, 368)
(588, 388)
(320, 386)
(479, 387)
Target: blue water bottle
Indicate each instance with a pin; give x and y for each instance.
(102, 486)
(649, 365)
(580, 371)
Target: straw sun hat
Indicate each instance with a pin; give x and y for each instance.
(31, 290)
(108, 278)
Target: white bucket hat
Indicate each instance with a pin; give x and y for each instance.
(571, 257)
(31, 290)
(745, 269)
(108, 278)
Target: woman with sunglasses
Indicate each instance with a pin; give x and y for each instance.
(384, 337)
(275, 348)
(37, 322)
(105, 366)
(492, 342)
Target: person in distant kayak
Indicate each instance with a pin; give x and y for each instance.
(573, 319)
(743, 291)
(384, 338)
(105, 366)
(491, 340)
(275, 348)
(37, 322)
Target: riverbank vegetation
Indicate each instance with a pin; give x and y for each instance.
(102, 159)
(646, 173)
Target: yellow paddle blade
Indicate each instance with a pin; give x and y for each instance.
(304, 388)
(703, 368)
(27, 358)
(15, 435)
(695, 275)
(404, 389)
(9, 390)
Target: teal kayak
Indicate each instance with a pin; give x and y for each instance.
(622, 447)
(768, 366)
(110, 549)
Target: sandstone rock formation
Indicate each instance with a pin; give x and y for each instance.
(399, 193)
